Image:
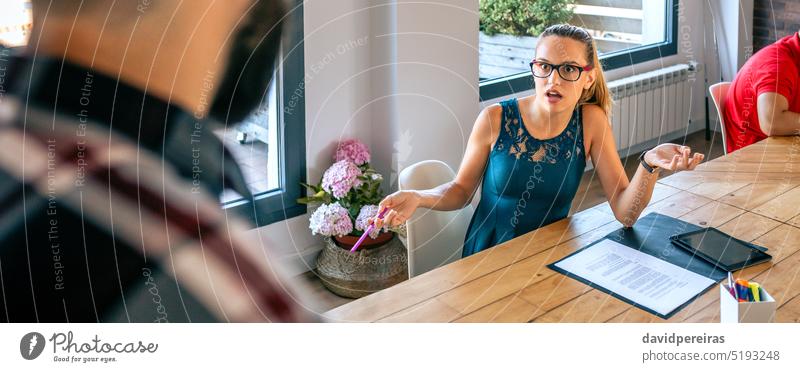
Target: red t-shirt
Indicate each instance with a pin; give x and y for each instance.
(774, 69)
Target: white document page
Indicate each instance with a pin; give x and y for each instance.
(639, 277)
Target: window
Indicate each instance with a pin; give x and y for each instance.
(254, 144)
(269, 145)
(15, 23)
(626, 32)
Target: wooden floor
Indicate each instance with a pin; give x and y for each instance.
(590, 194)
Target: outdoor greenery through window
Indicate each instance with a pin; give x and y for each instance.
(509, 28)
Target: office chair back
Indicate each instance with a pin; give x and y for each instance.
(718, 93)
(435, 238)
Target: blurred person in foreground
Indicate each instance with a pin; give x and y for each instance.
(110, 173)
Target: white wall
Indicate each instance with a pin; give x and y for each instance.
(734, 23)
(399, 75)
(409, 89)
(731, 21)
(436, 92)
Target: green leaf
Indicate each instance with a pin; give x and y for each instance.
(522, 17)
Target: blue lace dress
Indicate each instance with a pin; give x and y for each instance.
(528, 182)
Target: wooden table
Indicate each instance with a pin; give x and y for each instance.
(752, 194)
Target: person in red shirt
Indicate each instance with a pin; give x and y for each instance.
(764, 98)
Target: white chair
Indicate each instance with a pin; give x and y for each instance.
(718, 93)
(435, 238)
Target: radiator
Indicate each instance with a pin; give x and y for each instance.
(650, 108)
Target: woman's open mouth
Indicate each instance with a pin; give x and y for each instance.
(553, 96)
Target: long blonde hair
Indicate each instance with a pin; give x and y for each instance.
(598, 93)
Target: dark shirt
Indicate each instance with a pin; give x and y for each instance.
(110, 210)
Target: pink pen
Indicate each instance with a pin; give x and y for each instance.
(367, 231)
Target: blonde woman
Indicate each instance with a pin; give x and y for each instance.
(530, 153)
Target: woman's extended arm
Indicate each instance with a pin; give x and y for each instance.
(628, 198)
(459, 192)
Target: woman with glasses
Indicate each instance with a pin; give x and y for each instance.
(531, 152)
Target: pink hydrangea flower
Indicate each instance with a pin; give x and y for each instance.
(331, 219)
(367, 212)
(352, 150)
(340, 178)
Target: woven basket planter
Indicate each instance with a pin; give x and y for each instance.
(370, 269)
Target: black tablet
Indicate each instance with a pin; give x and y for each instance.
(721, 249)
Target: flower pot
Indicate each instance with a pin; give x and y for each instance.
(348, 241)
(373, 267)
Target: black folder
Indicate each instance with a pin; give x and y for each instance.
(651, 235)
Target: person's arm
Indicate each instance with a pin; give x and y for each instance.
(455, 194)
(459, 192)
(628, 198)
(774, 116)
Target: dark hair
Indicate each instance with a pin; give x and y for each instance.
(251, 62)
(598, 93)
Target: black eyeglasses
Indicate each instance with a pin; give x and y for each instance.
(568, 72)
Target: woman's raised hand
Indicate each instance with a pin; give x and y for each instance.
(401, 205)
(673, 157)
